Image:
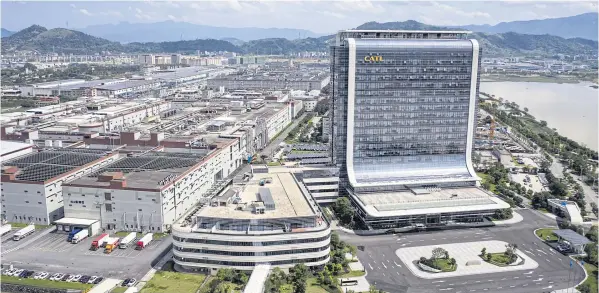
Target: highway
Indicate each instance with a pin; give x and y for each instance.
(389, 274)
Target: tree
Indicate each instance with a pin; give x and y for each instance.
(585, 288)
(299, 273)
(225, 275)
(353, 250)
(483, 251)
(452, 261)
(335, 241)
(486, 185)
(594, 209)
(438, 253)
(525, 109)
(591, 251)
(223, 287)
(299, 286)
(372, 289)
(564, 224)
(344, 210)
(543, 123)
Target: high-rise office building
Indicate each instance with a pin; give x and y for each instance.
(404, 109)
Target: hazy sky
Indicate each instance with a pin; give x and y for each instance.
(317, 16)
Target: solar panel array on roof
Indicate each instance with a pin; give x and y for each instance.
(310, 147)
(293, 156)
(152, 161)
(44, 165)
(266, 197)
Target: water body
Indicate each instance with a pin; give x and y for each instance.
(570, 108)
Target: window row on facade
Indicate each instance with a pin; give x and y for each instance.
(249, 263)
(253, 243)
(438, 97)
(361, 122)
(379, 115)
(252, 253)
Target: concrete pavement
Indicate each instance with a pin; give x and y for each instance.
(273, 145)
(387, 272)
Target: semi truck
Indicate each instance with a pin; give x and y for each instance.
(80, 236)
(5, 229)
(111, 244)
(144, 241)
(99, 241)
(24, 232)
(127, 240)
(72, 234)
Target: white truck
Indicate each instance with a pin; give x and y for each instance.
(24, 232)
(127, 240)
(80, 236)
(5, 229)
(144, 241)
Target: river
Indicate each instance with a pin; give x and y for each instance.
(570, 108)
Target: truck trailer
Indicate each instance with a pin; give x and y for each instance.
(5, 229)
(72, 234)
(24, 232)
(80, 236)
(144, 241)
(127, 240)
(99, 241)
(111, 244)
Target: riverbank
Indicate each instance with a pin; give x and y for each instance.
(543, 79)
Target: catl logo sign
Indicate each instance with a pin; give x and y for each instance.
(373, 58)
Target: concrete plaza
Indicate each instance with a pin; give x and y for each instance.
(462, 252)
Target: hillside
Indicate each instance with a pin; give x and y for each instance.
(168, 31)
(37, 38)
(578, 26)
(6, 33)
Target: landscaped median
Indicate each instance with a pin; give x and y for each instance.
(45, 283)
(502, 259)
(438, 262)
(546, 234)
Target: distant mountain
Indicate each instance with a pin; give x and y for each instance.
(6, 33)
(126, 32)
(59, 40)
(234, 41)
(578, 26)
(38, 38)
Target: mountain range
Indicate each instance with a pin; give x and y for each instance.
(6, 33)
(166, 31)
(37, 38)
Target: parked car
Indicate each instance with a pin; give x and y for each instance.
(84, 279)
(563, 247)
(17, 272)
(29, 274)
(131, 282)
(41, 275)
(9, 272)
(125, 282)
(74, 278)
(65, 277)
(98, 280)
(92, 279)
(56, 277)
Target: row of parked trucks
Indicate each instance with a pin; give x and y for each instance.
(111, 243)
(22, 233)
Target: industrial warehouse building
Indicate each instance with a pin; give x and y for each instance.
(270, 218)
(32, 185)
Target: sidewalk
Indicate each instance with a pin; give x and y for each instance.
(516, 218)
(153, 270)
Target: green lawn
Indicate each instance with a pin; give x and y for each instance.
(206, 288)
(314, 287)
(119, 290)
(485, 178)
(592, 279)
(353, 274)
(444, 265)
(498, 257)
(22, 225)
(515, 161)
(45, 283)
(173, 282)
(543, 210)
(543, 233)
(273, 164)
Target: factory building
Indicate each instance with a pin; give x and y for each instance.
(265, 219)
(150, 190)
(32, 185)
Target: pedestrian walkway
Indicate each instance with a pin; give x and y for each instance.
(516, 218)
(105, 286)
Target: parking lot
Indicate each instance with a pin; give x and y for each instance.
(9, 244)
(534, 181)
(54, 254)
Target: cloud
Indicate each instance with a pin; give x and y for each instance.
(459, 12)
(330, 13)
(139, 14)
(85, 12)
(171, 17)
(112, 13)
(366, 6)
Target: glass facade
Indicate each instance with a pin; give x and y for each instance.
(408, 112)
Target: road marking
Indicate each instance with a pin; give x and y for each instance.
(516, 277)
(384, 265)
(443, 238)
(451, 284)
(528, 273)
(398, 274)
(477, 282)
(545, 253)
(383, 254)
(503, 279)
(548, 287)
(383, 274)
(485, 289)
(524, 285)
(529, 276)
(487, 238)
(397, 264)
(512, 286)
(371, 268)
(499, 287)
(437, 282)
(489, 280)
(473, 290)
(446, 289)
(547, 260)
(538, 280)
(403, 244)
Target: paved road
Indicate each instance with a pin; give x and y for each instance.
(388, 273)
(273, 145)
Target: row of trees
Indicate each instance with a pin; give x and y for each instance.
(437, 254)
(227, 280)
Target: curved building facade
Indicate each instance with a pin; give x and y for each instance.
(403, 108)
(240, 229)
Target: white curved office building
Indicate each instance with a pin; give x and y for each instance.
(403, 109)
(277, 223)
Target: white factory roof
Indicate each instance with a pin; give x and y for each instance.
(12, 146)
(74, 221)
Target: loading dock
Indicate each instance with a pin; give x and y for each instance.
(68, 224)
